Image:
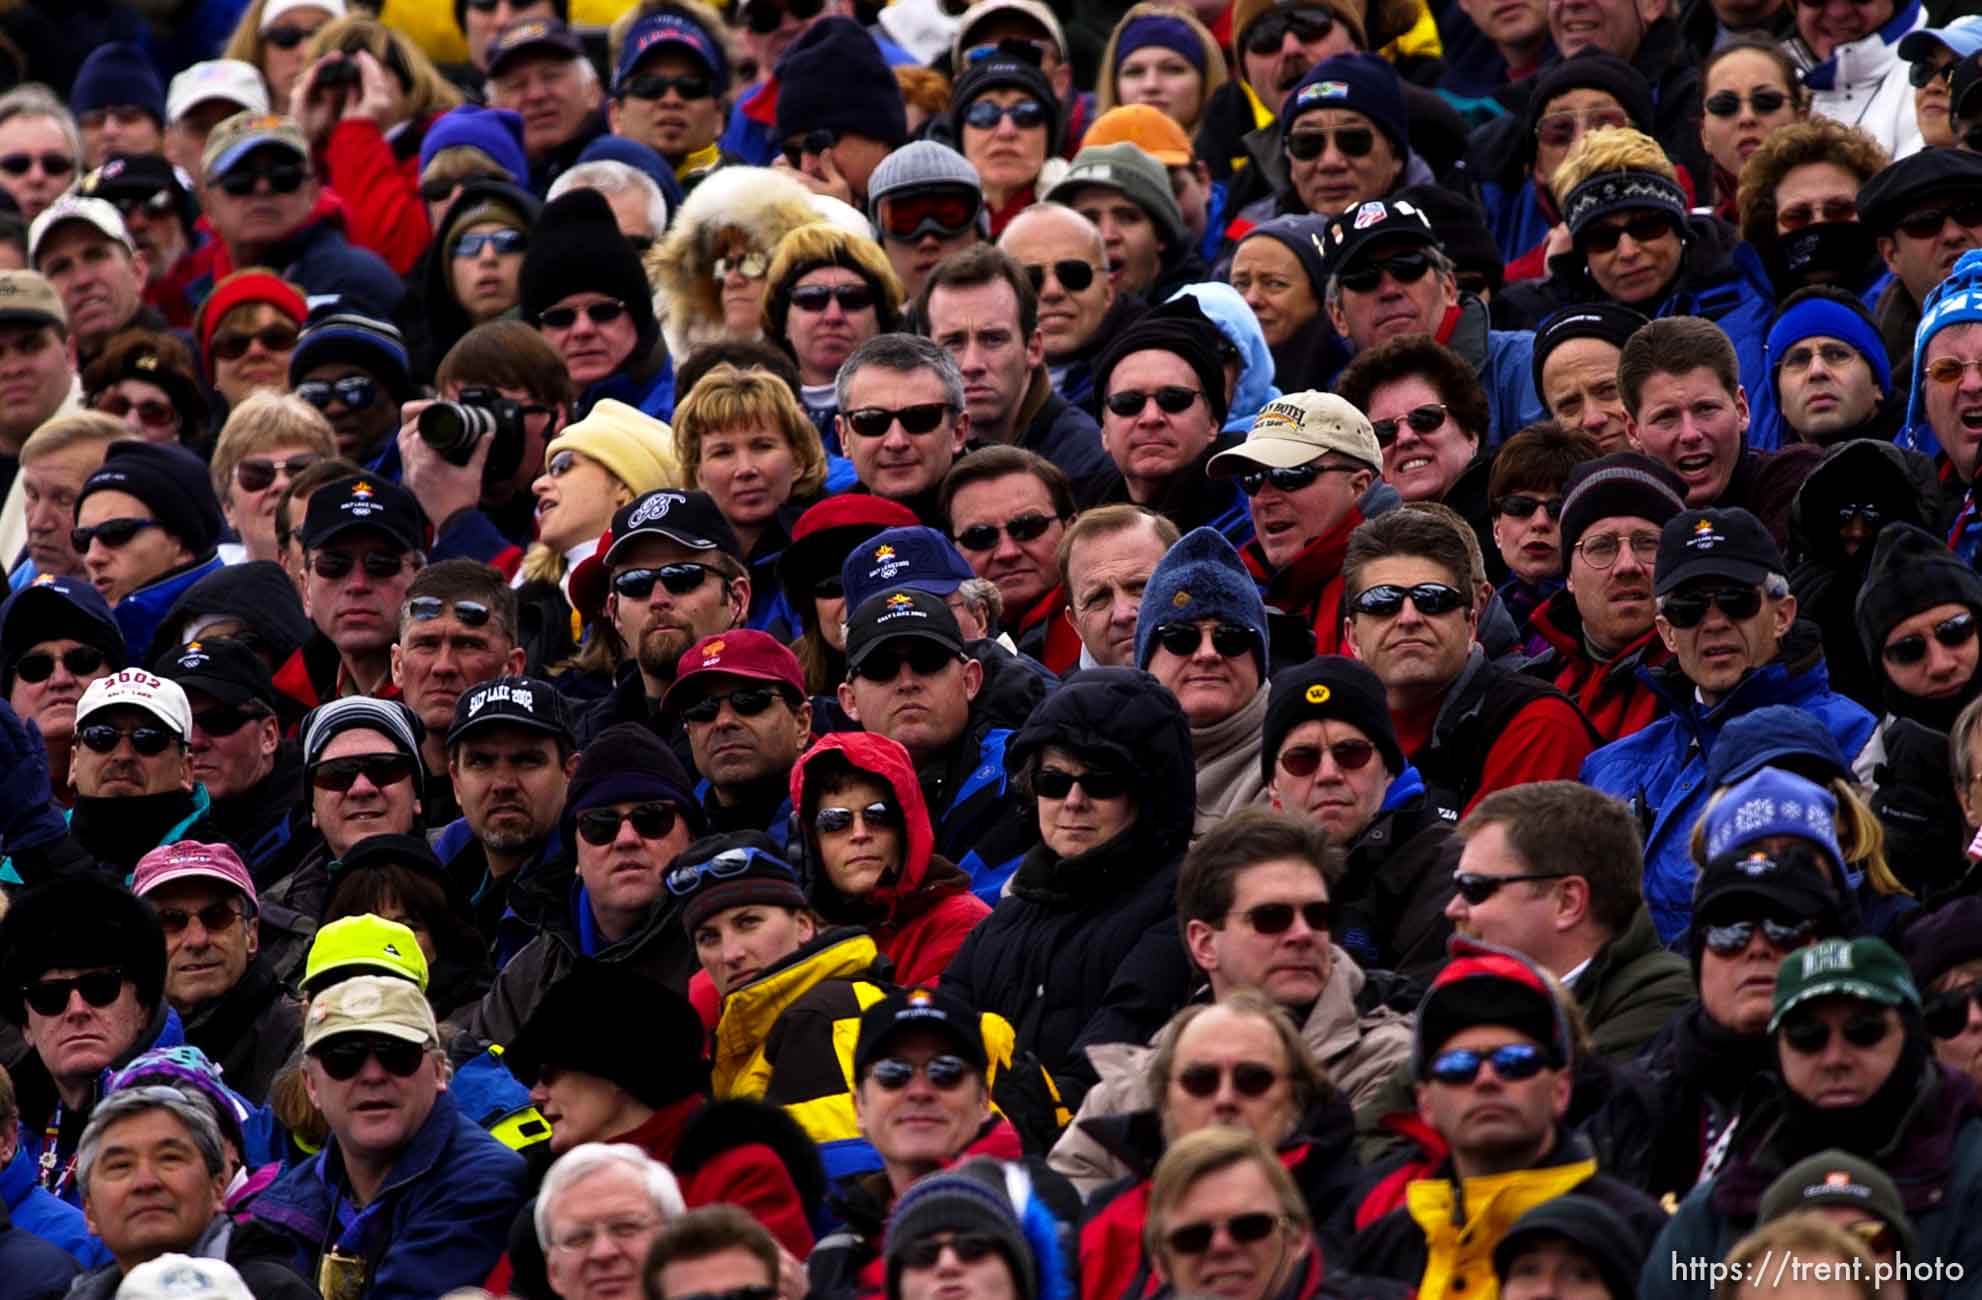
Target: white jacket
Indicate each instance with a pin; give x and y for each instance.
(1864, 84)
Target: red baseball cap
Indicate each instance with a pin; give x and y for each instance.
(758, 656)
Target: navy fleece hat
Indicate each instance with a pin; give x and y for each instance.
(173, 484)
(115, 76)
(577, 246)
(497, 132)
(51, 608)
(1360, 83)
(1200, 577)
(835, 79)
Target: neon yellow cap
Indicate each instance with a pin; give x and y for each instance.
(361, 944)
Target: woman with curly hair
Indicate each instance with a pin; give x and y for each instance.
(1799, 205)
(1160, 54)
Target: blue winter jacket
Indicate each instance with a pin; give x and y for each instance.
(1662, 771)
(139, 614)
(1235, 320)
(440, 1221)
(36, 1210)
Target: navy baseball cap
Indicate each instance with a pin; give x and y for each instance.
(919, 559)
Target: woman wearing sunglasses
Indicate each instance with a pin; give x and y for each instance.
(247, 331)
(55, 639)
(827, 292)
(473, 270)
(1525, 491)
(1944, 949)
(709, 268)
(1006, 120)
(146, 379)
(267, 440)
(272, 36)
(1749, 90)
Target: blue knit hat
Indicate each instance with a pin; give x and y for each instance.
(1361, 83)
(1956, 300)
(1773, 802)
(1819, 315)
(116, 75)
(497, 132)
(1200, 577)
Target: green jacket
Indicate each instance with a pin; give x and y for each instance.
(1631, 988)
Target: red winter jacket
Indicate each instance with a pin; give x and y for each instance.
(1045, 633)
(749, 1175)
(1611, 694)
(1311, 586)
(383, 210)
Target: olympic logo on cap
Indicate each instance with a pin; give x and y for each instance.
(900, 600)
(884, 552)
(711, 650)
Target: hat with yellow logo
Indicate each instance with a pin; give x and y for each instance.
(1298, 428)
(1329, 688)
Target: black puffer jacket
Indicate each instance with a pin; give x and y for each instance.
(1095, 932)
(1396, 882)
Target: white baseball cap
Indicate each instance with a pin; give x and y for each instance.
(138, 689)
(274, 9)
(231, 80)
(74, 207)
(181, 1277)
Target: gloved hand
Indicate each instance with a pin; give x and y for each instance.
(28, 815)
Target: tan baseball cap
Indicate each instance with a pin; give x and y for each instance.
(27, 299)
(1294, 429)
(370, 1004)
(240, 135)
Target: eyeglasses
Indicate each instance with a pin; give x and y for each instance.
(50, 997)
(1026, 115)
(1422, 419)
(1278, 918)
(1643, 229)
(1268, 34)
(470, 245)
(284, 178)
(1349, 756)
(1476, 888)
(336, 565)
(675, 579)
(1518, 505)
(622, 1233)
(1922, 72)
(1601, 551)
(1172, 399)
(151, 411)
(1732, 939)
(850, 297)
(943, 1072)
(1404, 268)
(215, 918)
(1925, 223)
(1430, 599)
(751, 266)
(1073, 274)
(1952, 632)
(814, 142)
(338, 775)
(1057, 783)
(425, 609)
(1293, 479)
(114, 533)
(1350, 142)
(691, 87)
(563, 318)
(916, 420)
(1687, 609)
(1949, 370)
(924, 1252)
(1243, 1229)
(353, 392)
(234, 344)
(287, 36)
(53, 164)
(1946, 1013)
(1834, 355)
(924, 659)
(342, 1058)
(745, 703)
(1185, 639)
(1249, 1079)
(1809, 1036)
(39, 665)
(147, 741)
(1512, 1063)
(834, 821)
(942, 212)
(1024, 528)
(651, 821)
(765, 18)
(224, 719)
(1559, 130)
(1763, 99)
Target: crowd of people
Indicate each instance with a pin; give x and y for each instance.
(999, 650)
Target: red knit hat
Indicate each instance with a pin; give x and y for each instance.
(252, 285)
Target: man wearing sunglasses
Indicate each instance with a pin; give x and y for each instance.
(669, 91)
(81, 246)
(409, 1195)
(1492, 1059)
(1923, 216)
(1067, 265)
(40, 148)
(927, 202)
(355, 369)
(57, 638)
(1126, 194)
(457, 629)
(902, 418)
(1918, 615)
(1008, 511)
(147, 525)
(740, 696)
(1947, 393)
(583, 288)
(839, 111)
(361, 757)
(363, 541)
(37, 363)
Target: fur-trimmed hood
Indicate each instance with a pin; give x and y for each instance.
(687, 296)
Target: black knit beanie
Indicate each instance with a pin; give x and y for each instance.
(173, 484)
(1590, 70)
(968, 1199)
(580, 1025)
(1302, 236)
(1912, 570)
(1624, 484)
(576, 247)
(1329, 687)
(1181, 327)
(834, 78)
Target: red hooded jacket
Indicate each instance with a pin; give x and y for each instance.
(383, 210)
(1311, 586)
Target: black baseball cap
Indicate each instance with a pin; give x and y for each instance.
(688, 518)
(1728, 544)
(1889, 195)
(1351, 233)
(918, 1011)
(226, 669)
(522, 702)
(1791, 882)
(363, 501)
(1962, 100)
(904, 614)
(520, 38)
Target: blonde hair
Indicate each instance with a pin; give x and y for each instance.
(1205, 1152)
(727, 398)
(428, 93)
(1215, 72)
(66, 431)
(924, 88)
(265, 420)
(1806, 1236)
(822, 244)
(245, 42)
(1611, 149)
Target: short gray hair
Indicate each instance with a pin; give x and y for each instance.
(588, 1158)
(129, 1103)
(1774, 585)
(905, 354)
(610, 177)
(32, 99)
(1332, 294)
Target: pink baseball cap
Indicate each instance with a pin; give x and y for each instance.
(190, 859)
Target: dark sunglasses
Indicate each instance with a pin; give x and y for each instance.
(829, 589)
(1267, 35)
(1643, 229)
(563, 318)
(1922, 72)
(39, 666)
(215, 918)
(1732, 939)
(924, 1252)
(875, 421)
(425, 609)
(1517, 505)
(470, 246)
(1350, 141)
(353, 392)
(1956, 631)
(1404, 268)
(1349, 756)
(1026, 115)
(1832, 210)
(745, 703)
(1184, 639)
(1244, 1229)
(832, 821)
(1512, 1063)
(1073, 274)
(691, 87)
(113, 533)
(338, 775)
(766, 18)
(850, 297)
(102, 738)
(1872, 515)
(945, 213)
(1249, 1079)
(1057, 783)
(258, 473)
(1476, 888)
(924, 659)
(814, 142)
(1172, 399)
(435, 189)
(287, 36)
(943, 1072)
(54, 164)
(50, 997)
(1024, 528)
(1278, 918)
(1946, 1013)
(1559, 130)
(1687, 609)
(1727, 103)
(224, 720)
(151, 411)
(1293, 479)
(651, 821)
(1809, 1036)
(1422, 419)
(1430, 599)
(342, 1058)
(284, 178)
(232, 346)
(335, 565)
(675, 579)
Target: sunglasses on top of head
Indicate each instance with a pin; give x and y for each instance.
(470, 613)
(1952, 633)
(1687, 609)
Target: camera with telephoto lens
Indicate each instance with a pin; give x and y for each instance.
(453, 428)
